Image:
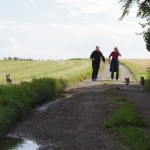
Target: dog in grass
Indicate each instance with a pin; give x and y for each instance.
(127, 83)
(8, 78)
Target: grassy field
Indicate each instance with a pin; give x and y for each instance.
(72, 70)
(35, 82)
(138, 67)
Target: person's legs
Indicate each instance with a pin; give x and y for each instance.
(97, 69)
(112, 70)
(112, 75)
(117, 70)
(94, 71)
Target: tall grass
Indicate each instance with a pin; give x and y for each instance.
(17, 100)
(138, 68)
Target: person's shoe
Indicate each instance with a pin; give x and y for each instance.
(93, 79)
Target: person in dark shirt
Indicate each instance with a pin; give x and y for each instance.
(96, 56)
(114, 63)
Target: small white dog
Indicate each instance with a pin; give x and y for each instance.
(8, 78)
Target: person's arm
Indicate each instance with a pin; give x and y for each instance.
(92, 56)
(103, 58)
(110, 56)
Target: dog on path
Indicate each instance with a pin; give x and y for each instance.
(127, 83)
(142, 82)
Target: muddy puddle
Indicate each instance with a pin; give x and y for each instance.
(8, 143)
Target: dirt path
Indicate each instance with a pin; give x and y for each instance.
(75, 123)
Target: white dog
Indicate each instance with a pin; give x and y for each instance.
(8, 78)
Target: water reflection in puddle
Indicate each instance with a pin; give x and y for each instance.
(9, 143)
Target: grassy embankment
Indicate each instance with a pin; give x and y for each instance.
(127, 123)
(139, 67)
(35, 82)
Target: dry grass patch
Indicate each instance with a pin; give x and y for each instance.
(138, 68)
(71, 70)
(143, 64)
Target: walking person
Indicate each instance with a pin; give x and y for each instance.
(114, 64)
(96, 56)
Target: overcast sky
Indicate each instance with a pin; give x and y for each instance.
(62, 29)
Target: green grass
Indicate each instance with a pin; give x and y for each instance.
(35, 82)
(129, 125)
(105, 83)
(125, 116)
(135, 137)
(138, 68)
(18, 100)
(71, 70)
(135, 70)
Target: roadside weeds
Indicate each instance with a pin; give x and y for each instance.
(127, 123)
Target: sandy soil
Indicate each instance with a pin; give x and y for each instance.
(76, 122)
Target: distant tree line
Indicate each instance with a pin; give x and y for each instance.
(28, 59)
(17, 58)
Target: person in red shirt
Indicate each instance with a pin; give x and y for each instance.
(114, 63)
